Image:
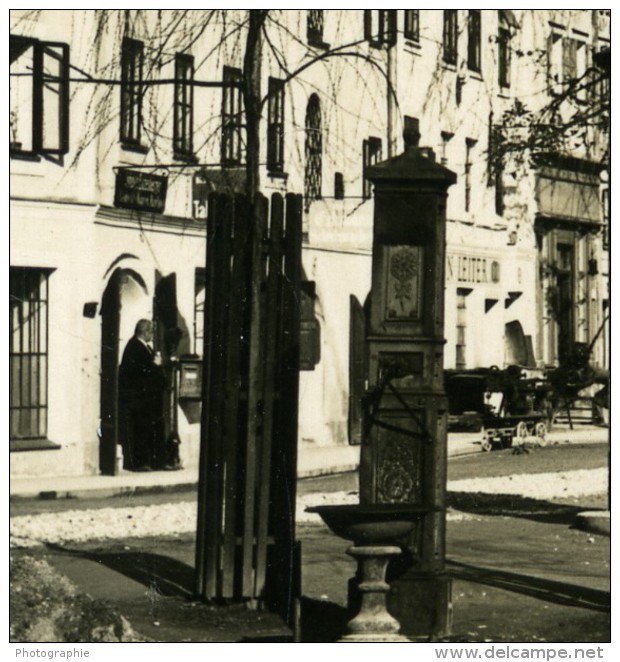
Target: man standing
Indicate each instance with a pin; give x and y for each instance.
(141, 385)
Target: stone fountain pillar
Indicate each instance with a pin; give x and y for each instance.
(403, 454)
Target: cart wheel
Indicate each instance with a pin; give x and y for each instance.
(541, 433)
(521, 433)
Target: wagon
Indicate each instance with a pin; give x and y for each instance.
(504, 432)
(518, 410)
(506, 405)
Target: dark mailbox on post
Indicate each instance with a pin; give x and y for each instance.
(403, 455)
(190, 378)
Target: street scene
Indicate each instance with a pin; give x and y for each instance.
(310, 326)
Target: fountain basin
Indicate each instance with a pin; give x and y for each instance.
(371, 524)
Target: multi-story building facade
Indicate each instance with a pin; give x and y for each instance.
(123, 121)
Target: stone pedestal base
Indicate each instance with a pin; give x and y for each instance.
(373, 623)
(422, 603)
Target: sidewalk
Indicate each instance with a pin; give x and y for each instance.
(311, 462)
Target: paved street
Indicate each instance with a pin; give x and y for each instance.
(520, 572)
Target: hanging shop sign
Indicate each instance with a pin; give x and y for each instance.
(140, 190)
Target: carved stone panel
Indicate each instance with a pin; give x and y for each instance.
(399, 468)
(404, 283)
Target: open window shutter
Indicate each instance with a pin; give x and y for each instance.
(357, 368)
(388, 24)
(54, 97)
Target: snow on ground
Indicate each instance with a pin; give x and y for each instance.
(178, 518)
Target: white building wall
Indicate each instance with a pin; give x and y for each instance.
(63, 214)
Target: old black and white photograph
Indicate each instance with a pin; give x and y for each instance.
(309, 331)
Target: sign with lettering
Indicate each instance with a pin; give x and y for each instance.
(472, 269)
(140, 190)
(204, 182)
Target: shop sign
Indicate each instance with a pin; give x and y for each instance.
(472, 269)
(140, 190)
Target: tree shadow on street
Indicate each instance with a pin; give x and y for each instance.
(513, 505)
(549, 590)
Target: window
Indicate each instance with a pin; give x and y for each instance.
(446, 137)
(503, 57)
(567, 64)
(314, 151)
(380, 27)
(473, 40)
(412, 24)
(605, 224)
(470, 143)
(28, 352)
(232, 117)
(450, 32)
(315, 28)
(275, 126)
(39, 97)
(183, 136)
(338, 186)
(132, 91)
(372, 155)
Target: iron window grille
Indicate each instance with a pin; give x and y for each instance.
(450, 36)
(39, 97)
(380, 27)
(275, 126)
(132, 91)
(412, 24)
(474, 40)
(232, 117)
(183, 135)
(314, 151)
(28, 352)
(371, 155)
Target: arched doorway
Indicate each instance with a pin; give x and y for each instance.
(125, 301)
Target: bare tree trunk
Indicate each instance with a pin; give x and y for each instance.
(252, 98)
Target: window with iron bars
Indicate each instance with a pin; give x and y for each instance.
(275, 126)
(39, 97)
(371, 155)
(232, 117)
(412, 24)
(28, 352)
(314, 151)
(183, 135)
(450, 36)
(132, 91)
